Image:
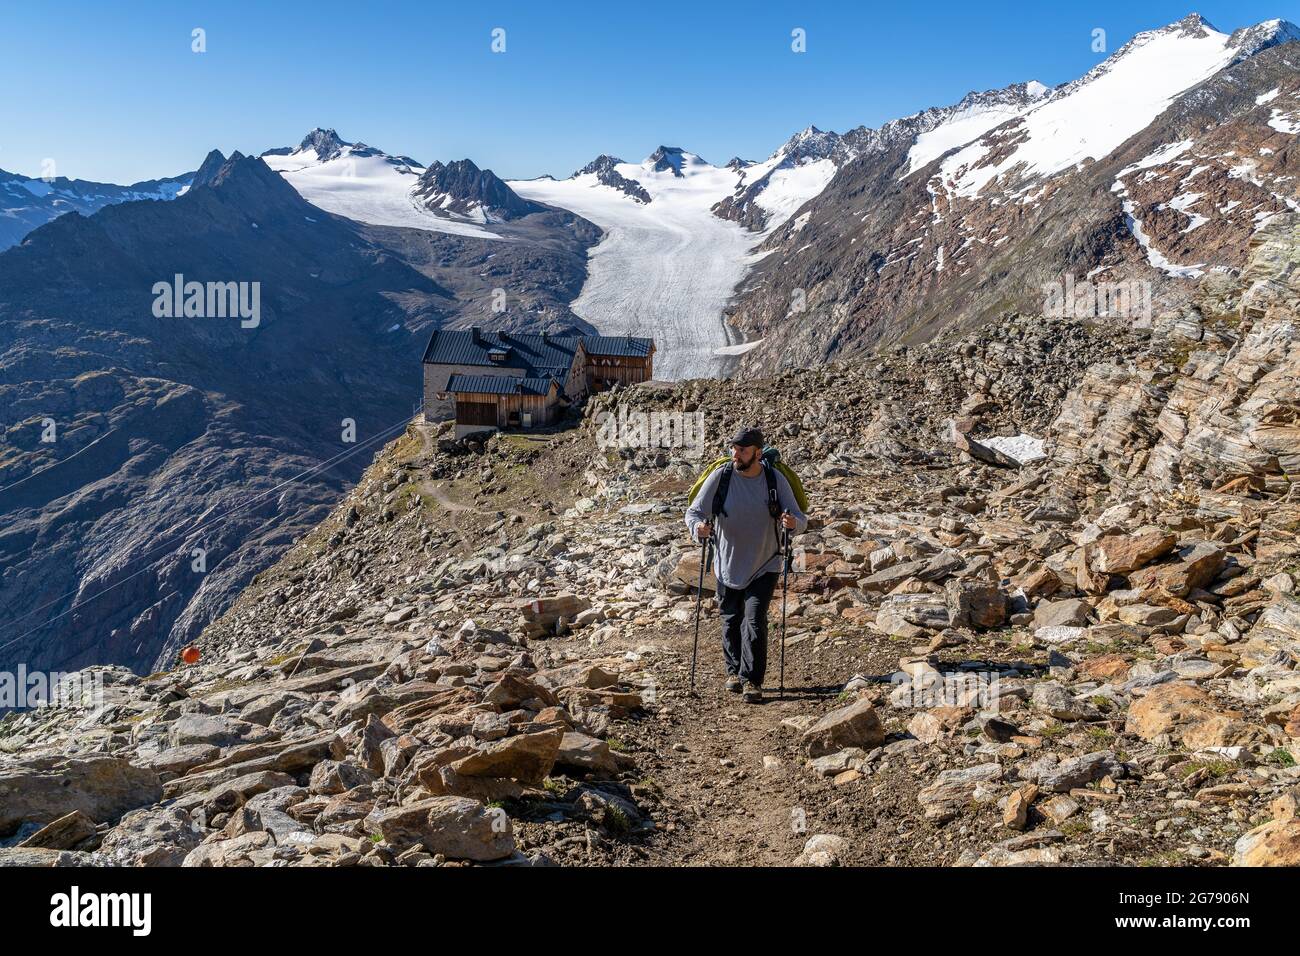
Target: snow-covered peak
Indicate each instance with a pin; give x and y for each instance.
(1090, 117)
(1191, 38)
(368, 185)
(811, 143)
(1250, 40)
(325, 143)
(326, 146)
(599, 165)
(1192, 25)
(669, 159)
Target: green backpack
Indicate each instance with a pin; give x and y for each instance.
(772, 463)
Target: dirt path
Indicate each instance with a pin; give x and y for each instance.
(437, 493)
(726, 772)
(730, 781)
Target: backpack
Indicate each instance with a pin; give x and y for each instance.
(772, 463)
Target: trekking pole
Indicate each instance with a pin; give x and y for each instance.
(785, 581)
(699, 601)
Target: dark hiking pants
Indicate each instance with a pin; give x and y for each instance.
(744, 627)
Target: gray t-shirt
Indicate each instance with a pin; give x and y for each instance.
(745, 537)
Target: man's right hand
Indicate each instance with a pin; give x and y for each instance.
(703, 530)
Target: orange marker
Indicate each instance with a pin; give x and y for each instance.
(190, 655)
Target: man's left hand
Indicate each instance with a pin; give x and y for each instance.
(787, 521)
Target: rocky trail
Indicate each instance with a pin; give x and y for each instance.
(1088, 656)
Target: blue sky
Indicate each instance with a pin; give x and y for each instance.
(113, 91)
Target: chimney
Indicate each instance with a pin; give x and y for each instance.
(476, 335)
(546, 338)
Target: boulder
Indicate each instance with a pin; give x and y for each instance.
(182, 759)
(27, 857)
(903, 614)
(1053, 699)
(541, 615)
(154, 836)
(1146, 615)
(1120, 554)
(1079, 771)
(43, 790)
(1015, 814)
(976, 604)
(62, 834)
(586, 753)
(216, 731)
(1275, 843)
(1188, 714)
(456, 827)
(688, 572)
(527, 758)
(1073, 612)
(1197, 565)
(256, 848)
(953, 789)
(822, 849)
(854, 725)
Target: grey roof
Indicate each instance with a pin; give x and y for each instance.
(537, 356)
(500, 384)
(623, 345)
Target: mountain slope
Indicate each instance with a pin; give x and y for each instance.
(219, 433)
(26, 203)
(894, 251)
(670, 261)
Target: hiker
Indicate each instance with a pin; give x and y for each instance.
(749, 552)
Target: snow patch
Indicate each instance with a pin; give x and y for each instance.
(740, 349)
(1020, 448)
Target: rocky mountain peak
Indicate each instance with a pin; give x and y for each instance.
(325, 143)
(603, 169)
(1251, 40)
(813, 143)
(251, 181)
(602, 164)
(667, 159)
(460, 188)
(1192, 25)
(211, 164)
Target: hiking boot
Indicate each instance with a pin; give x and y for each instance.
(734, 683)
(753, 694)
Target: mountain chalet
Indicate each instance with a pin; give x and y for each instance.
(488, 380)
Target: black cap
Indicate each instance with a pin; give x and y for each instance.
(747, 436)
